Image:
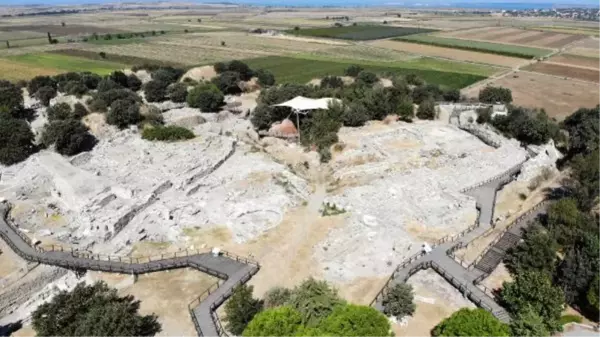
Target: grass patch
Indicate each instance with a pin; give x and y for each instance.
(123, 59)
(302, 70)
(566, 319)
(67, 63)
(485, 47)
(360, 32)
(167, 133)
(14, 71)
(569, 30)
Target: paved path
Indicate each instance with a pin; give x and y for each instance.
(463, 278)
(234, 270)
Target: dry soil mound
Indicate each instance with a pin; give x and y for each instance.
(204, 73)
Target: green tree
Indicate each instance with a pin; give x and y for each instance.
(70, 137)
(563, 220)
(207, 98)
(355, 115)
(45, 94)
(592, 295)
(426, 110)
(133, 82)
(355, 320)
(528, 323)
(332, 82)
(493, 95)
(536, 252)
(155, 91)
(241, 309)
(584, 130)
(261, 117)
(315, 300)
(265, 78)
(94, 310)
(79, 110)
(244, 71)
(11, 97)
(584, 181)
(471, 322)
(579, 267)
(353, 70)
(38, 82)
(120, 78)
(534, 289)
(399, 301)
(413, 79)
(228, 82)
(406, 110)
(279, 321)
(276, 297)
(16, 140)
(107, 84)
(366, 78)
(59, 111)
(123, 112)
(177, 92)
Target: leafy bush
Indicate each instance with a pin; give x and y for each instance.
(331, 82)
(75, 88)
(108, 97)
(353, 70)
(451, 95)
(528, 126)
(228, 82)
(16, 140)
(79, 110)
(59, 111)
(355, 115)
(399, 301)
(494, 95)
(282, 93)
(155, 91)
(90, 80)
(315, 300)
(276, 297)
(11, 97)
(528, 323)
(40, 81)
(123, 112)
(471, 322)
(98, 105)
(93, 311)
(120, 78)
(367, 78)
(280, 321)
(406, 110)
(167, 75)
(167, 133)
(177, 92)
(241, 309)
(207, 98)
(133, 82)
(220, 67)
(45, 94)
(265, 78)
(241, 68)
(262, 117)
(484, 115)
(107, 84)
(426, 110)
(70, 137)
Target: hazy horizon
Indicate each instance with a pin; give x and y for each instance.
(516, 4)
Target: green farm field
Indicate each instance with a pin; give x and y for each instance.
(485, 47)
(302, 70)
(67, 63)
(359, 32)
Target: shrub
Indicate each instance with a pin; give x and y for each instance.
(414, 80)
(75, 88)
(228, 82)
(133, 82)
(315, 300)
(265, 78)
(528, 323)
(167, 133)
(220, 67)
(451, 95)
(119, 77)
(70, 137)
(332, 82)
(98, 105)
(90, 80)
(277, 296)
(167, 75)
(108, 97)
(281, 321)
(353, 70)
(426, 110)
(471, 322)
(493, 95)
(107, 84)
(11, 97)
(152, 115)
(207, 98)
(398, 301)
(93, 310)
(526, 125)
(79, 110)
(40, 81)
(45, 94)
(484, 115)
(177, 92)
(282, 93)
(241, 68)
(16, 140)
(261, 117)
(155, 91)
(355, 115)
(406, 110)
(123, 112)
(241, 309)
(367, 78)
(59, 111)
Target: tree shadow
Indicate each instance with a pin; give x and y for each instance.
(7, 330)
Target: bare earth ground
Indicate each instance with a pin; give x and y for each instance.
(450, 53)
(560, 97)
(577, 72)
(576, 60)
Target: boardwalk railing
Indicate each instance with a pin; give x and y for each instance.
(383, 292)
(511, 171)
(516, 222)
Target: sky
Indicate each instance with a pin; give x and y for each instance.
(401, 3)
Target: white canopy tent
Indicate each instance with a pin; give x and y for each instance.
(302, 105)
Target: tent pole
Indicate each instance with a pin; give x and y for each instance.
(298, 123)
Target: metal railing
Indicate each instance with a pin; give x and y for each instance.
(511, 171)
